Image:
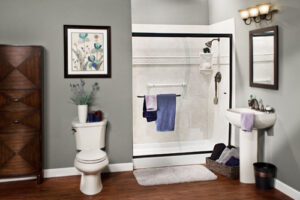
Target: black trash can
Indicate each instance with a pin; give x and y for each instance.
(264, 175)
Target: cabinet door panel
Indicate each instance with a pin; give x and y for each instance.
(19, 121)
(20, 67)
(19, 100)
(18, 153)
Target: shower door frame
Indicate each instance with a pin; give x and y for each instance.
(194, 35)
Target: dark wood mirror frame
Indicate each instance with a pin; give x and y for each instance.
(251, 34)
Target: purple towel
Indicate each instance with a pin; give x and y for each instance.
(166, 110)
(233, 162)
(151, 102)
(247, 121)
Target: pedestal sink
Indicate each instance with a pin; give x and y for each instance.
(248, 140)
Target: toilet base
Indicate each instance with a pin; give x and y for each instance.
(91, 184)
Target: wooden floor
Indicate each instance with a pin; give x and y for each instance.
(124, 186)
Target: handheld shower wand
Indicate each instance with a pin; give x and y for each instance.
(218, 78)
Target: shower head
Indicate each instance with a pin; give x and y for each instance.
(209, 43)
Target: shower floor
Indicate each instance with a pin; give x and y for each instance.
(172, 147)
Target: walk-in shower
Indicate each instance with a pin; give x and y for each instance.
(166, 63)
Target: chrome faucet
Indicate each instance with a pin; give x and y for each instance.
(253, 103)
(261, 105)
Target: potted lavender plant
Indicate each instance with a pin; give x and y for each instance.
(82, 98)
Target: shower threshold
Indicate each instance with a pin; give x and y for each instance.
(172, 148)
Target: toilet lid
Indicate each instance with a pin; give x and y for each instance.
(91, 156)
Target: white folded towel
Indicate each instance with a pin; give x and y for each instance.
(151, 102)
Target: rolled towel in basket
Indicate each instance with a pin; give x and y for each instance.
(233, 162)
(217, 151)
(227, 154)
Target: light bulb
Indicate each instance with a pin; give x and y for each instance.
(253, 12)
(244, 14)
(264, 8)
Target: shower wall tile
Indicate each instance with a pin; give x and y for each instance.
(197, 118)
(192, 109)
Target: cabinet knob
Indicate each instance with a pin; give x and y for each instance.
(16, 121)
(16, 99)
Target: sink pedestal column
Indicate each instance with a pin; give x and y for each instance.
(248, 155)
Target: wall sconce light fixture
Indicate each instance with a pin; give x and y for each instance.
(257, 13)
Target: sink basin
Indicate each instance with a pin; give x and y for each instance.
(262, 120)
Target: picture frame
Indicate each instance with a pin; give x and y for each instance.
(87, 51)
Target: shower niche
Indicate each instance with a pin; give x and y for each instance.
(178, 63)
(206, 61)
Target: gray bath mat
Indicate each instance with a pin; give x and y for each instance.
(176, 174)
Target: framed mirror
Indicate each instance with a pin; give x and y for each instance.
(264, 58)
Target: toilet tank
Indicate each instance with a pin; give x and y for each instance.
(89, 135)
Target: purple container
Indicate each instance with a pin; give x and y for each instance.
(91, 117)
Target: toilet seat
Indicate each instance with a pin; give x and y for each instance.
(91, 156)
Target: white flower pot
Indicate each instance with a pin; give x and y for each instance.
(82, 113)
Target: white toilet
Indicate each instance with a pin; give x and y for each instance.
(91, 160)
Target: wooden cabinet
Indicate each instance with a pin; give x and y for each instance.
(21, 111)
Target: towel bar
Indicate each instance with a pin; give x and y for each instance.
(166, 85)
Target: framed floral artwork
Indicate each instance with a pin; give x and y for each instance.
(87, 51)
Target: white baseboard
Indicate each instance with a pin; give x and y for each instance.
(72, 171)
(119, 167)
(193, 159)
(60, 172)
(287, 190)
(3, 180)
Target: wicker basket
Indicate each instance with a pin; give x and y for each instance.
(228, 171)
